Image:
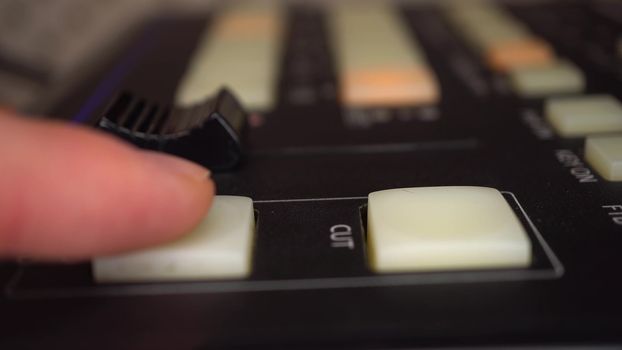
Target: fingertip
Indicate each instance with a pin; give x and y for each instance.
(89, 194)
(161, 198)
(176, 165)
(183, 192)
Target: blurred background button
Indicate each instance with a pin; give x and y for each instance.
(583, 115)
(559, 77)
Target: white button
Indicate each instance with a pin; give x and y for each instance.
(220, 247)
(560, 77)
(582, 115)
(444, 228)
(605, 155)
(239, 51)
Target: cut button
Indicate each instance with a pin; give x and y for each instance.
(444, 228)
(220, 247)
(605, 155)
(579, 116)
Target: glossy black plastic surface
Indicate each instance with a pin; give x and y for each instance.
(310, 165)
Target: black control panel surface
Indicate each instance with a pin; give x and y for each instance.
(309, 164)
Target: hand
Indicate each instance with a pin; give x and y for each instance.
(67, 192)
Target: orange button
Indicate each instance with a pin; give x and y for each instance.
(389, 87)
(507, 55)
(246, 25)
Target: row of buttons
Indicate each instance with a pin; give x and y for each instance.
(590, 116)
(503, 42)
(407, 230)
(534, 71)
(241, 51)
(508, 47)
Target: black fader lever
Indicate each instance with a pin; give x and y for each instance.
(208, 133)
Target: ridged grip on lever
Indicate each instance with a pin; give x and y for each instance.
(207, 133)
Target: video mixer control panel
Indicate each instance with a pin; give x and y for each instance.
(389, 175)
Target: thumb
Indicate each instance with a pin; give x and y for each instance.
(71, 193)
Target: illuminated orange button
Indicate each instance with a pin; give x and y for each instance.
(389, 87)
(504, 56)
(243, 25)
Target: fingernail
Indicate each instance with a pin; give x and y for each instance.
(182, 166)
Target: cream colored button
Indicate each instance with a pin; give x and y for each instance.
(220, 247)
(379, 63)
(604, 153)
(579, 116)
(486, 36)
(444, 228)
(470, 12)
(560, 77)
(239, 51)
(504, 42)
